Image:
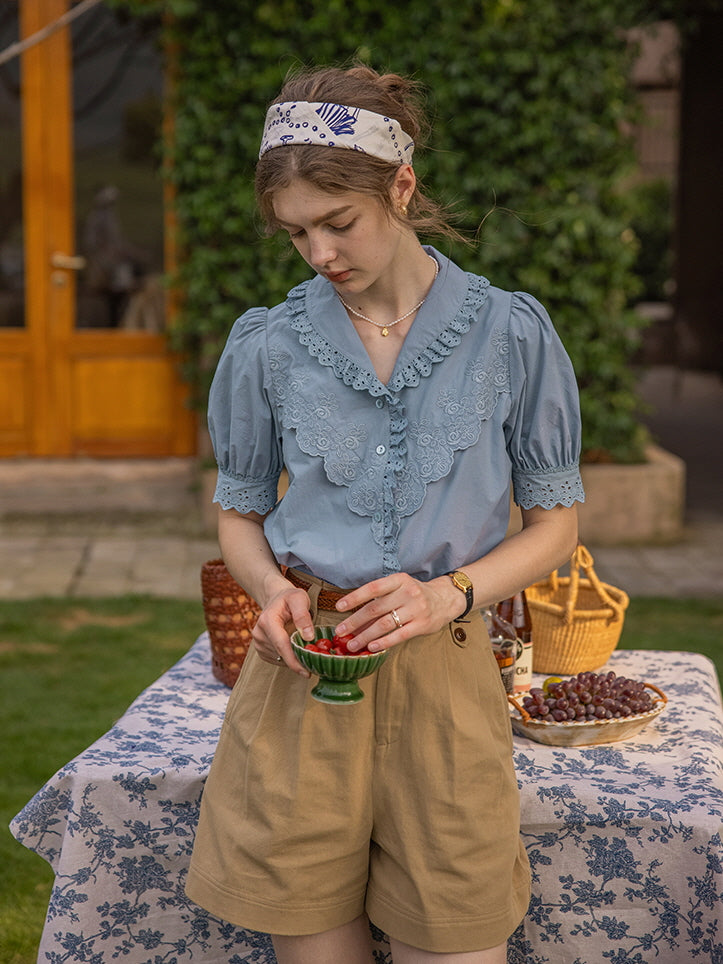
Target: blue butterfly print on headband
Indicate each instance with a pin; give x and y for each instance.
(338, 119)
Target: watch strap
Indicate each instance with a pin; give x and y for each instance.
(468, 591)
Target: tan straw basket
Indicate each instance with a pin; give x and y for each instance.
(230, 615)
(576, 620)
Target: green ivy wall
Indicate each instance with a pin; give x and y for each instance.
(530, 101)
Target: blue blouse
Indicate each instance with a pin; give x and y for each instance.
(410, 476)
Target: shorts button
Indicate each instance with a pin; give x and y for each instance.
(459, 634)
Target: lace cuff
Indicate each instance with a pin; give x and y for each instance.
(547, 487)
(246, 495)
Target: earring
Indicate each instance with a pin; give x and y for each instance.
(403, 210)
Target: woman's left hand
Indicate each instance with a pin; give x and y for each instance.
(395, 608)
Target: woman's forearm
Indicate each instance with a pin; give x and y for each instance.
(248, 556)
(546, 541)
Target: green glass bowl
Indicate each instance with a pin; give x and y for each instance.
(338, 675)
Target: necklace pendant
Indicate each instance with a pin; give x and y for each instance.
(385, 332)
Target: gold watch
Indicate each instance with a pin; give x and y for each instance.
(464, 584)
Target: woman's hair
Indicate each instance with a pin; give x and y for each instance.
(331, 169)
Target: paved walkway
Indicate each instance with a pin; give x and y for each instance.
(128, 558)
(112, 561)
(104, 553)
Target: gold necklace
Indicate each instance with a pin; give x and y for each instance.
(385, 327)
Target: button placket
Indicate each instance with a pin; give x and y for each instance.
(391, 454)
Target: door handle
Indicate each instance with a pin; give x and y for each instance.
(71, 262)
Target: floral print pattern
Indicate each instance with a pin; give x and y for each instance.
(624, 839)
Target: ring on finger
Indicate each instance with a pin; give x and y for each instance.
(395, 616)
(279, 659)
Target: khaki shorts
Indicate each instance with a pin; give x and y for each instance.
(404, 805)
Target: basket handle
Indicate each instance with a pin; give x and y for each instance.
(574, 584)
(582, 559)
(520, 708)
(553, 580)
(654, 688)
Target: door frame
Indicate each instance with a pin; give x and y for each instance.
(49, 348)
(48, 209)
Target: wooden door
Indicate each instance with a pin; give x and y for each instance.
(85, 367)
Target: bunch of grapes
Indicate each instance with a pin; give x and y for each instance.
(587, 696)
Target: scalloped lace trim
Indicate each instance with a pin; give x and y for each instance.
(314, 419)
(435, 442)
(419, 452)
(365, 379)
(245, 496)
(548, 488)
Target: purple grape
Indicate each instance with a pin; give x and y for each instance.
(588, 696)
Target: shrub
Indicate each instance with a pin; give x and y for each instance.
(530, 104)
(652, 222)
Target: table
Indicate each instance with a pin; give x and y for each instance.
(624, 839)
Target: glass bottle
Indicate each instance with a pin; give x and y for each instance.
(516, 612)
(505, 646)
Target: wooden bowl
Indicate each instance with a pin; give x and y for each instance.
(586, 733)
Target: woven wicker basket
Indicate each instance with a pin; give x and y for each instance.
(576, 620)
(230, 615)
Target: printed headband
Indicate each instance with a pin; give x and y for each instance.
(333, 125)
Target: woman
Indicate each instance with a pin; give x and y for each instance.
(401, 394)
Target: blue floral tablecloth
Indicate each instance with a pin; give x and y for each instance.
(624, 839)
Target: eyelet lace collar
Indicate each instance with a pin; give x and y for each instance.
(323, 327)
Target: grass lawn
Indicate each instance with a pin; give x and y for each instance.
(70, 668)
(693, 625)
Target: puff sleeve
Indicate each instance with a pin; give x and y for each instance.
(241, 420)
(543, 431)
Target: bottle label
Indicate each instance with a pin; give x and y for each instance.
(523, 669)
(508, 652)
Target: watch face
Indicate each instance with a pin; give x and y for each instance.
(462, 581)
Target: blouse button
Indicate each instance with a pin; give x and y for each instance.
(380, 403)
(381, 449)
(459, 634)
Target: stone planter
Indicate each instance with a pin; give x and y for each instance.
(630, 504)
(634, 504)
(110, 488)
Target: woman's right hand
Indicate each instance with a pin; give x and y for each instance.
(251, 562)
(288, 610)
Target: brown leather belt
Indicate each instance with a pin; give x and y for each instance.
(329, 596)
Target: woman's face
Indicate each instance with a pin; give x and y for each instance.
(347, 238)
